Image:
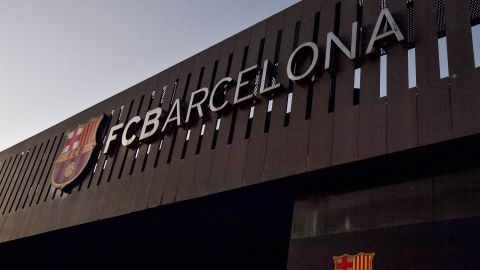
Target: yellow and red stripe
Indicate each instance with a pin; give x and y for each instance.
(362, 262)
(87, 133)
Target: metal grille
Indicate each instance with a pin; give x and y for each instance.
(383, 4)
(441, 19)
(474, 7)
(411, 23)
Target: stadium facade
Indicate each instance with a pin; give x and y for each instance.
(333, 135)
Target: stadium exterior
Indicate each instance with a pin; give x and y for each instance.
(333, 135)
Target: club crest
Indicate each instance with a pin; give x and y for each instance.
(79, 145)
(360, 261)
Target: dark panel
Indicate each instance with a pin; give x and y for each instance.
(46, 174)
(105, 163)
(411, 202)
(125, 153)
(172, 176)
(433, 100)
(12, 182)
(321, 121)
(5, 169)
(127, 190)
(231, 120)
(294, 151)
(37, 150)
(160, 172)
(456, 196)
(465, 79)
(276, 157)
(31, 153)
(395, 205)
(255, 159)
(37, 197)
(358, 210)
(144, 152)
(161, 81)
(202, 181)
(143, 175)
(123, 188)
(35, 171)
(19, 181)
(308, 217)
(135, 161)
(345, 127)
(402, 101)
(237, 158)
(7, 180)
(42, 183)
(372, 134)
(186, 179)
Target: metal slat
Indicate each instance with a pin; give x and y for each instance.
(14, 179)
(160, 172)
(402, 102)
(7, 172)
(185, 182)
(175, 164)
(465, 78)
(238, 149)
(278, 134)
(11, 179)
(297, 132)
(345, 116)
(141, 163)
(219, 165)
(20, 189)
(44, 184)
(321, 121)
(433, 100)
(203, 182)
(372, 134)
(256, 148)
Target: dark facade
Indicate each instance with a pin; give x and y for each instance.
(329, 169)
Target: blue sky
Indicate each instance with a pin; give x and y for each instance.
(59, 57)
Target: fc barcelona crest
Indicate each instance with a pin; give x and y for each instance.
(360, 261)
(79, 145)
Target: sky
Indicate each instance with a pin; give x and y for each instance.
(59, 57)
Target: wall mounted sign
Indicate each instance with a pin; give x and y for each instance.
(155, 122)
(79, 145)
(359, 261)
(81, 141)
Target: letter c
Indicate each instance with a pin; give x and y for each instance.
(127, 141)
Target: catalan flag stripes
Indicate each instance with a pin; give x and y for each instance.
(362, 262)
(87, 133)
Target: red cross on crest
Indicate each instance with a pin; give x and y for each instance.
(73, 139)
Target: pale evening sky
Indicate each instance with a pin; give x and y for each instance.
(59, 57)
